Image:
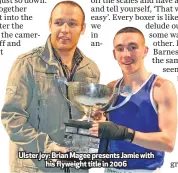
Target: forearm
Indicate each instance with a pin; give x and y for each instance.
(155, 141)
(161, 141)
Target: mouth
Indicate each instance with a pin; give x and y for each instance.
(63, 38)
(128, 62)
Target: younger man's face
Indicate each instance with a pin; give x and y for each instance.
(129, 51)
(66, 26)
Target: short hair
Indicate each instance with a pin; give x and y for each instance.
(72, 3)
(129, 30)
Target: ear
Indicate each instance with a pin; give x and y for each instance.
(146, 51)
(83, 29)
(114, 54)
(50, 23)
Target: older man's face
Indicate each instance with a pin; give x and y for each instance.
(66, 26)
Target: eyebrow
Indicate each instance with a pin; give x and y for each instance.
(74, 20)
(131, 43)
(64, 19)
(118, 45)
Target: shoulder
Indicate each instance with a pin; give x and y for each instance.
(163, 90)
(32, 53)
(162, 84)
(24, 60)
(112, 83)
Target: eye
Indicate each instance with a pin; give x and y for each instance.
(132, 47)
(120, 49)
(59, 23)
(72, 24)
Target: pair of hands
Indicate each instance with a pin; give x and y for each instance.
(107, 130)
(98, 116)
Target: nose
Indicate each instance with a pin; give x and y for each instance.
(65, 28)
(126, 53)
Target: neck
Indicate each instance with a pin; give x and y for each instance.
(66, 56)
(137, 78)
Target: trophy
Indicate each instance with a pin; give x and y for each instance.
(89, 97)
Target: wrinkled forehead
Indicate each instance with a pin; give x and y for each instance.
(128, 38)
(67, 11)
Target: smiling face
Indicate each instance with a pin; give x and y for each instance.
(129, 51)
(66, 26)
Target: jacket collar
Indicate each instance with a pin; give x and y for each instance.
(49, 57)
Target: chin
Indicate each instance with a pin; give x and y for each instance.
(63, 47)
(129, 71)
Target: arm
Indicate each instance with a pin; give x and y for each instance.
(95, 70)
(164, 95)
(14, 115)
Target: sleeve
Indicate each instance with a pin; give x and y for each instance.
(14, 115)
(98, 77)
(95, 72)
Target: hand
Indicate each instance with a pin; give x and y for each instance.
(94, 129)
(112, 131)
(56, 148)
